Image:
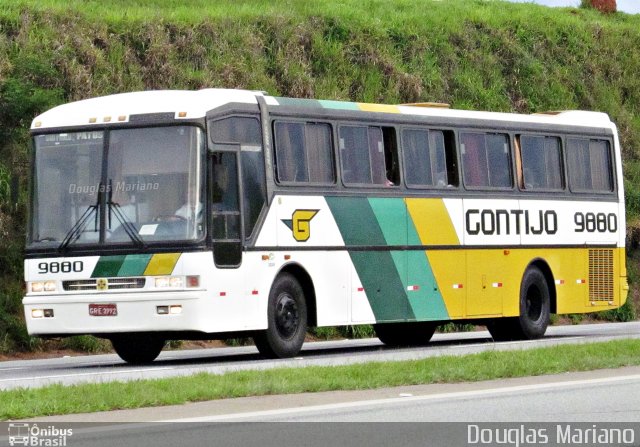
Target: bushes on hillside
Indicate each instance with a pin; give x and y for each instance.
(605, 6)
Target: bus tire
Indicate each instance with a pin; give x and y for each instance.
(137, 349)
(287, 319)
(535, 311)
(535, 304)
(405, 334)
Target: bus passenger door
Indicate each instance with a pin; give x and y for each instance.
(225, 210)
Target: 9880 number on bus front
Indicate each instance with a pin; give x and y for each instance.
(60, 267)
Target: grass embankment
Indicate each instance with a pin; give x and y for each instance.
(486, 55)
(174, 391)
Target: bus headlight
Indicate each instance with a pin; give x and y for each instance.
(173, 282)
(177, 282)
(43, 286)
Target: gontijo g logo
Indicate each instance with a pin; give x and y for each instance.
(300, 224)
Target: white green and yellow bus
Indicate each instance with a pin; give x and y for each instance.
(217, 213)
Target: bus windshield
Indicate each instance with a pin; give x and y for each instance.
(118, 187)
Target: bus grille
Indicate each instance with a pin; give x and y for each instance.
(112, 284)
(600, 275)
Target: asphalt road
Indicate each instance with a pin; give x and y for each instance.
(435, 415)
(105, 368)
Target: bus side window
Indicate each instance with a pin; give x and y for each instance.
(354, 154)
(369, 155)
(291, 160)
(304, 153)
(541, 162)
(429, 158)
(392, 169)
(319, 146)
(474, 159)
(377, 156)
(498, 160)
(485, 160)
(590, 166)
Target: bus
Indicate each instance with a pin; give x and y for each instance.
(176, 215)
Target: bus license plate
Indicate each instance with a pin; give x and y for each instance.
(103, 310)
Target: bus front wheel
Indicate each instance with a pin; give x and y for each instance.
(287, 319)
(535, 310)
(137, 349)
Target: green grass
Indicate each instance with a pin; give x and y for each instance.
(28, 403)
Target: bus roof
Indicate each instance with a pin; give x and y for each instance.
(193, 104)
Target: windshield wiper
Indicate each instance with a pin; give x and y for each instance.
(76, 231)
(129, 228)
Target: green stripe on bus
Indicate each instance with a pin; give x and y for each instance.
(415, 271)
(377, 269)
(391, 215)
(108, 266)
(340, 105)
(297, 102)
(427, 301)
(134, 265)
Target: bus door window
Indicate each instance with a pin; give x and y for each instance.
(244, 131)
(225, 209)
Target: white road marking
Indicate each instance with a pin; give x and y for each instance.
(63, 376)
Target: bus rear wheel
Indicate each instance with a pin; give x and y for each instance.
(137, 349)
(535, 311)
(287, 319)
(405, 334)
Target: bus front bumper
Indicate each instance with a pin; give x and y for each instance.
(113, 313)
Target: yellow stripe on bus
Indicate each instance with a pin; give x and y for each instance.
(162, 264)
(367, 107)
(432, 222)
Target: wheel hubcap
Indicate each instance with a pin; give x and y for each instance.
(287, 316)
